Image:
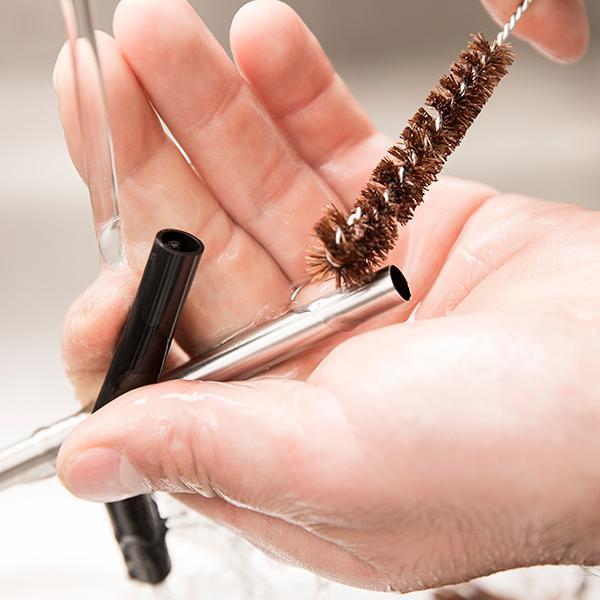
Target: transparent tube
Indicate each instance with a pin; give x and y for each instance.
(96, 137)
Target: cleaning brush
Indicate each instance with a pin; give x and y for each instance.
(351, 247)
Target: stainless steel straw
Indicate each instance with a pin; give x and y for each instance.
(247, 354)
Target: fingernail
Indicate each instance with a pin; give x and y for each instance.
(103, 475)
(55, 78)
(550, 52)
(61, 60)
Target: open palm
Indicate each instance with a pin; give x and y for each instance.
(410, 455)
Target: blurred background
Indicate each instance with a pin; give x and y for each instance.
(539, 136)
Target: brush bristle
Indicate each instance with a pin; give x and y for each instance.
(353, 245)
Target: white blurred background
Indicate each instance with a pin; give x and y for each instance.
(538, 136)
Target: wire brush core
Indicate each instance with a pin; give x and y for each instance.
(352, 246)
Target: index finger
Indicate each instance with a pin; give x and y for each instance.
(557, 28)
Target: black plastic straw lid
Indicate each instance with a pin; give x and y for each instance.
(148, 331)
(138, 360)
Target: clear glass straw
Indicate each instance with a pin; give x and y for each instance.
(94, 124)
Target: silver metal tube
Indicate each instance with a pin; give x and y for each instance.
(255, 351)
(247, 354)
(34, 458)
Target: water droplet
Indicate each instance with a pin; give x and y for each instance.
(110, 244)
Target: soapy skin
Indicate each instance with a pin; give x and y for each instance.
(408, 456)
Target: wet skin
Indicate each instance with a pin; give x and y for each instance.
(409, 455)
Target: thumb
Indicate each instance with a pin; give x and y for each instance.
(250, 443)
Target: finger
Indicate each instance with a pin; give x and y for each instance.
(141, 147)
(159, 189)
(91, 330)
(224, 129)
(242, 442)
(86, 346)
(558, 28)
(288, 70)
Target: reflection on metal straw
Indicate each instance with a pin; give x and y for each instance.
(244, 356)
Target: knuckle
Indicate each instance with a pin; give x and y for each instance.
(168, 450)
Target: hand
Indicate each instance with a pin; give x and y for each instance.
(558, 28)
(412, 455)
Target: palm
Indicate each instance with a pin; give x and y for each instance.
(505, 327)
(443, 449)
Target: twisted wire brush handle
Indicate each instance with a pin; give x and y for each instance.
(510, 25)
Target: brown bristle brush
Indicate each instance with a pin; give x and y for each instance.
(352, 246)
